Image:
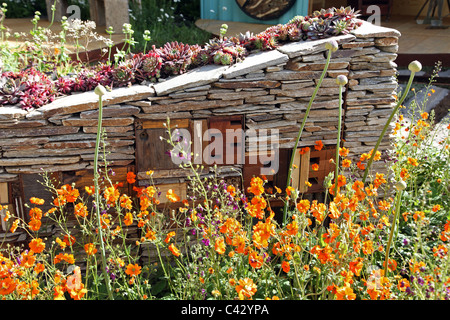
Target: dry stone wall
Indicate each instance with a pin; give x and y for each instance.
(271, 89)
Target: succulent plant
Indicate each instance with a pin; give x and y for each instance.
(262, 41)
(30, 88)
(176, 57)
(64, 85)
(10, 90)
(124, 73)
(320, 28)
(147, 66)
(223, 51)
(324, 13)
(346, 13)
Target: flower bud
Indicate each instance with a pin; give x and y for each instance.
(341, 80)
(401, 185)
(100, 90)
(331, 45)
(415, 66)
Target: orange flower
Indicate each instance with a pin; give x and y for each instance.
(128, 219)
(356, 266)
(69, 240)
(256, 186)
(133, 270)
(257, 206)
(68, 193)
(80, 210)
(360, 165)
(292, 228)
(37, 245)
(169, 236)
(345, 293)
(285, 266)
(304, 150)
(125, 202)
(219, 245)
(392, 264)
(34, 224)
(341, 180)
(424, 115)
(436, 208)
(318, 145)
(37, 201)
(419, 215)
(150, 235)
(28, 259)
(172, 196)
(39, 268)
(7, 285)
(405, 215)
(403, 284)
(315, 167)
(346, 163)
(174, 250)
(231, 190)
(377, 155)
(64, 257)
(131, 177)
(303, 206)
(367, 247)
(90, 249)
(35, 213)
(246, 288)
(111, 195)
(343, 152)
(334, 211)
(318, 211)
(413, 162)
(289, 190)
(255, 260)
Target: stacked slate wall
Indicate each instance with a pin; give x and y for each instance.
(268, 90)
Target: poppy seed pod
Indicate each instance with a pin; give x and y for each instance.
(332, 45)
(415, 66)
(341, 80)
(100, 90)
(401, 185)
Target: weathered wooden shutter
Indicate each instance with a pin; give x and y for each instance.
(231, 128)
(152, 152)
(277, 179)
(322, 158)
(304, 173)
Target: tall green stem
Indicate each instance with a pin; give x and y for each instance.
(97, 198)
(338, 142)
(288, 182)
(388, 247)
(380, 138)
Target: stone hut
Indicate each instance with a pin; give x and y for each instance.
(268, 90)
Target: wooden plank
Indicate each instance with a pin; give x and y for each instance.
(304, 171)
(180, 189)
(33, 187)
(4, 196)
(295, 176)
(198, 129)
(230, 123)
(85, 178)
(161, 124)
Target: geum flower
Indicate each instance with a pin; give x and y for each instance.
(246, 288)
